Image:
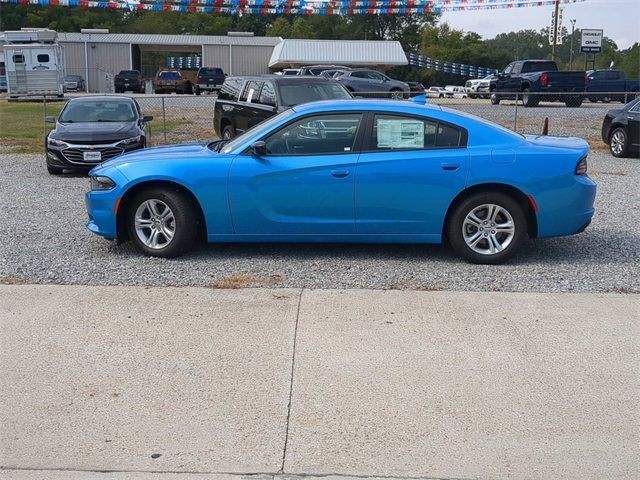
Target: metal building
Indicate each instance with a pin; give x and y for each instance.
(97, 55)
(351, 53)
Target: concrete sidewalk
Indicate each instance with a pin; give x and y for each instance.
(187, 383)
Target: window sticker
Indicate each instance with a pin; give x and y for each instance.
(400, 133)
(250, 95)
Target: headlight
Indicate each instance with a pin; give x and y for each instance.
(101, 183)
(52, 142)
(130, 141)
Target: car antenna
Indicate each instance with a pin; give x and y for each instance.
(545, 128)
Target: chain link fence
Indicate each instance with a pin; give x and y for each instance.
(189, 118)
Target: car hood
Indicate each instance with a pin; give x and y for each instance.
(92, 132)
(172, 152)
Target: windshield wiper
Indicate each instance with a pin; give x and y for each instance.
(216, 145)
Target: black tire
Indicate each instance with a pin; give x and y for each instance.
(228, 132)
(573, 102)
(53, 170)
(593, 99)
(465, 207)
(198, 91)
(395, 93)
(529, 100)
(185, 222)
(619, 143)
(495, 99)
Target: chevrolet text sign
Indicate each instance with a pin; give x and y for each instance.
(591, 41)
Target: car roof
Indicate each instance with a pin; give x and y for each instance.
(365, 104)
(282, 78)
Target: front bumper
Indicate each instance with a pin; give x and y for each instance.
(72, 156)
(101, 207)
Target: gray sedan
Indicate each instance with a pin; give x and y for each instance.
(371, 83)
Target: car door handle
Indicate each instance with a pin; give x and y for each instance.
(450, 166)
(340, 173)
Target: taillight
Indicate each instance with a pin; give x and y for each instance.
(581, 168)
(544, 79)
(586, 79)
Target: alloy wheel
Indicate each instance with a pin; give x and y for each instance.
(155, 223)
(488, 229)
(617, 142)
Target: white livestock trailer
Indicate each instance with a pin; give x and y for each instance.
(34, 63)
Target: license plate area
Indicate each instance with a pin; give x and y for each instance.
(92, 156)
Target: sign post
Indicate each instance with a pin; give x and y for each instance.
(590, 45)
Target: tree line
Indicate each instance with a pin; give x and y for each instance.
(420, 33)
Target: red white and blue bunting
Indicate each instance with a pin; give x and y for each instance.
(300, 7)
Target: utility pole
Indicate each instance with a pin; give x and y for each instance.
(573, 29)
(555, 30)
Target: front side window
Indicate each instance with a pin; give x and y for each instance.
(316, 135)
(360, 74)
(395, 132)
(268, 95)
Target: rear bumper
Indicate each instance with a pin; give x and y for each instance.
(567, 211)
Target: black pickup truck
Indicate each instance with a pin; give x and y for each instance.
(535, 81)
(209, 79)
(128, 80)
(607, 85)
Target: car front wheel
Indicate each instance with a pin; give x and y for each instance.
(228, 132)
(618, 143)
(162, 222)
(487, 228)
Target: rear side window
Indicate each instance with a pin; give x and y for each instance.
(230, 89)
(539, 67)
(43, 58)
(391, 132)
(251, 92)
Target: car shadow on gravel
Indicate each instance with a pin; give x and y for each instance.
(591, 247)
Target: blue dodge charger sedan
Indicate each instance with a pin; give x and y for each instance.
(350, 171)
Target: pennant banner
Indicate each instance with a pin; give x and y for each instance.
(299, 7)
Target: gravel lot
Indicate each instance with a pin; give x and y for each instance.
(43, 240)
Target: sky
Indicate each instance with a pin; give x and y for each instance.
(620, 19)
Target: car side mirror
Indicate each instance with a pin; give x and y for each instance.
(147, 118)
(50, 119)
(259, 148)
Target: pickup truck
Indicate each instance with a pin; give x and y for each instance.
(602, 83)
(209, 79)
(167, 81)
(535, 81)
(128, 80)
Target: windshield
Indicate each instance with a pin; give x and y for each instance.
(98, 111)
(256, 130)
(72, 78)
(169, 76)
(296, 93)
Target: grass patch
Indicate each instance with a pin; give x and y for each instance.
(22, 127)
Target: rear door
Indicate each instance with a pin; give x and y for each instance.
(633, 119)
(409, 171)
(246, 106)
(304, 184)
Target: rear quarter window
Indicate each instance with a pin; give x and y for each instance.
(230, 89)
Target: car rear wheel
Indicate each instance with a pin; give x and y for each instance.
(487, 228)
(396, 94)
(618, 143)
(495, 99)
(162, 222)
(529, 100)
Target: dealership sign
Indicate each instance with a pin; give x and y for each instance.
(591, 41)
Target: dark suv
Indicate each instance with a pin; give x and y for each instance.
(245, 101)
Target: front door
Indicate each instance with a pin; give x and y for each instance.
(410, 170)
(304, 184)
